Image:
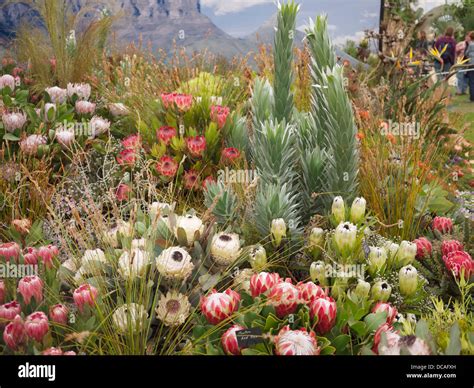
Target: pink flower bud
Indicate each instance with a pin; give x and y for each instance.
(36, 325)
(325, 309)
(218, 306)
(8, 311)
(2, 291)
(423, 247)
(14, 334)
(9, 251)
(47, 254)
(262, 282)
(31, 256)
(442, 225)
(31, 286)
(309, 292)
(85, 295)
(449, 246)
(229, 340)
(388, 308)
(59, 314)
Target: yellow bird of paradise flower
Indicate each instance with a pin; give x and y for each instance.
(437, 54)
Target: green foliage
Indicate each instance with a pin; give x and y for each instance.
(222, 201)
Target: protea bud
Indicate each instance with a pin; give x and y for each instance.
(225, 248)
(381, 291)
(14, 334)
(345, 238)
(376, 260)
(408, 280)
(309, 292)
(392, 249)
(8, 311)
(85, 295)
(278, 231)
(338, 210)
(316, 241)
(10, 250)
(339, 286)
(442, 225)
(362, 289)
(325, 310)
(388, 308)
(317, 272)
(285, 297)
(130, 318)
(191, 227)
(258, 258)
(229, 340)
(59, 314)
(358, 210)
(406, 254)
(218, 306)
(47, 254)
(133, 264)
(296, 343)
(423, 247)
(31, 286)
(262, 282)
(449, 246)
(36, 325)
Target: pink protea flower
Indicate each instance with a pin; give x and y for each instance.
(37, 325)
(13, 121)
(57, 352)
(47, 254)
(165, 134)
(167, 166)
(30, 256)
(82, 91)
(59, 314)
(127, 157)
(218, 306)
(443, 225)
(296, 343)
(423, 247)
(449, 246)
(10, 250)
(262, 282)
(57, 95)
(17, 71)
(388, 308)
(325, 309)
(8, 311)
(99, 126)
(196, 145)
(132, 142)
(168, 99)
(457, 261)
(2, 291)
(229, 341)
(7, 80)
(183, 101)
(207, 181)
(14, 334)
(230, 154)
(85, 295)
(31, 287)
(30, 144)
(122, 193)
(285, 297)
(219, 114)
(309, 292)
(65, 137)
(391, 334)
(85, 107)
(191, 180)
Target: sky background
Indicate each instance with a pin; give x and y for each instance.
(347, 18)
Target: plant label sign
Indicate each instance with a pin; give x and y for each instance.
(249, 337)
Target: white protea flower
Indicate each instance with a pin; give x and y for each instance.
(112, 235)
(316, 237)
(392, 249)
(99, 126)
(93, 260)
(65, 136)
(317, 272)
(130, 318)
(225, 248)
(362, 289)
(345, 237)
(70, 264)
(57, 95)
(381, 291)
(408, 280)
(133, 264)
(85, 107)
(174, 263)
(358, 210)
(173, 309)
(7, 80)
(139, 243)
(258, 258)
(29, 145)
(338, 210)
(192, 227)
(118, 109)
(13, 121)
(82, 91)
(406, 253)
(242, 280)
(160, 208)
(377, 259)
(278, 231)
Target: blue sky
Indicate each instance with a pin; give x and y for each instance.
(347, 18)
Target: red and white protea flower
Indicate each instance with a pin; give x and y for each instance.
(423, 248)
(192, 226)
(82, 91)
(47, 254)
(174, 263)
(85, 295)
(13, 121)
(132, 142)
(133, 264)
(166, 133)
(57, 352)
(229, 340)
(391, 336)
(10, 250)
(37, 325)
(8, 311)
(127, 157)
(218, 306)
(167, 99)
(30, 256)
(458, 261)
(183, 101)
(230, 154)
(118, 109)
(443, 225)
(309, 292)
(65, 136)
(263, 282)
(191, 180)
(85, 107)
(448, 246)
(167, 166)
(225, 248)
(31, 287)
(325, 309)
(219, 114)
(173, 308)
(14, 334)
(7, 80)
(284, 296)
(2, 291)
(196, 145)
(59, 314)
(388, 308)
(130, 318)
(99, 126)
(296, 343)
(30, 144)
(57, 95)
